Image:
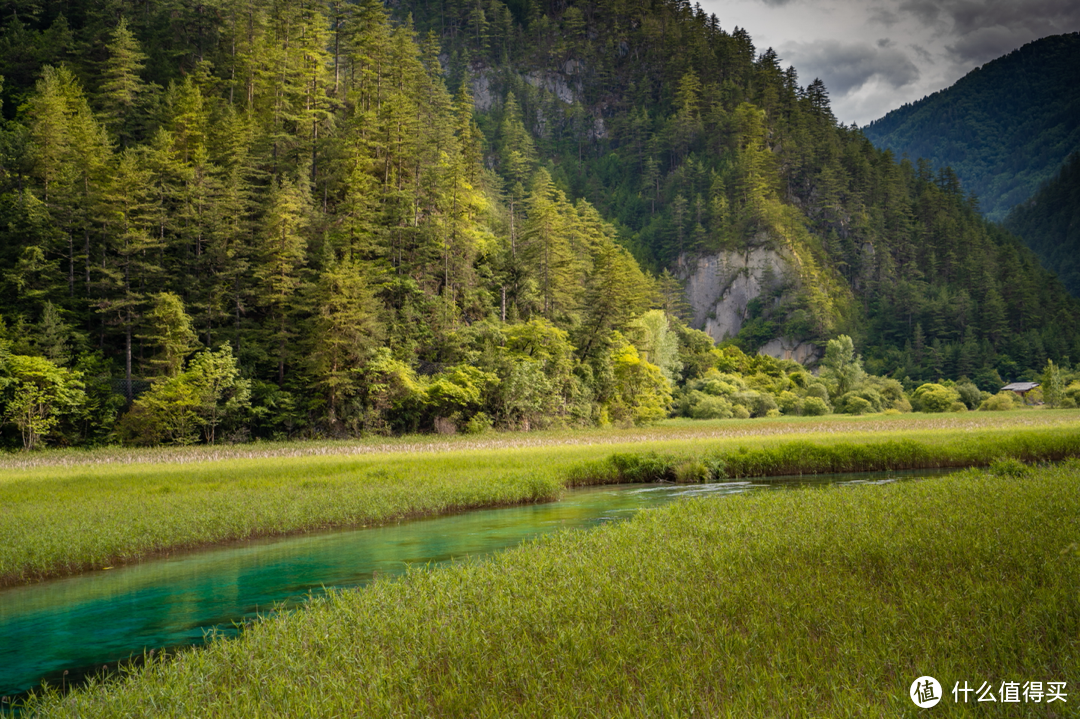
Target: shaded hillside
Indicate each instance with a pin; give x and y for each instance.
(1049, 223)
(1004, 128)
(698, 145)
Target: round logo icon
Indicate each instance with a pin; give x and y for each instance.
(925, 692)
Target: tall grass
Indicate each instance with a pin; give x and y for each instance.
(817, 603)
(57, 521)
(675, 429)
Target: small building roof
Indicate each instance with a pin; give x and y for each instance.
(1020, 386)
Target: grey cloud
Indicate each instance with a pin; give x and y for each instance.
(884, 17)
(923, 53)
(845, 67)
(884, 42)
(1038, 15)
(986, 44)
(925, 11)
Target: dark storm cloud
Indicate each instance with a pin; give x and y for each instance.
(884, 17)
(975, 32)
(845, 67)
(925, 11)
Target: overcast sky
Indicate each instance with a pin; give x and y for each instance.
(874, 56)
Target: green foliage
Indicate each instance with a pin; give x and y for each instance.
(37, 396)
(357, 231)
(641, 394)
(711, 408)
(1052, 386)
(933, 397)
(209, 394)
(170, 333)
(814, 407)
(840, 367)
(1000, 402)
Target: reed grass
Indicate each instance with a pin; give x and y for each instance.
(824, 602)
(61, 520)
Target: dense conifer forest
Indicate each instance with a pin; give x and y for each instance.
(248, 218)
(1049, 223)
(1004, 128)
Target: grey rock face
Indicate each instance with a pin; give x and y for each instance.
(720, 287)
(804, 353)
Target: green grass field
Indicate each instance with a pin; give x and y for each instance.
(64, 512)
(824, 602)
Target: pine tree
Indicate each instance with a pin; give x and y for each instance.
(121, 84)
(344, 331)
(281, 250)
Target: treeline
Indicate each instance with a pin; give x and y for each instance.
(692, 141)
(252, 218)
(297, 235)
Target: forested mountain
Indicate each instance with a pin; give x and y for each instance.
(274, 218)
(1049, 223)
(696, 144)
(1004, 128)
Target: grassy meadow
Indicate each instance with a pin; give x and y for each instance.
(66, 512)
(826, 602)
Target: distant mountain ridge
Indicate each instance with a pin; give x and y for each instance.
(1049, 223)
(1005, 128)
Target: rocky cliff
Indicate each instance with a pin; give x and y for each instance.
(720, 288)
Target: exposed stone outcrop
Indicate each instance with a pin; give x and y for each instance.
(721, 286)
(805, 353)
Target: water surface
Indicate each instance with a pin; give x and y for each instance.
(86, 622)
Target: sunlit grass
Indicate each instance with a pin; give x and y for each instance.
(57, 520)
(813, 603)
(668, 429)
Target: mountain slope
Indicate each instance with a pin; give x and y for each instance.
(1004, 128)
(716, 163)
(1049, 223)
(443, 224)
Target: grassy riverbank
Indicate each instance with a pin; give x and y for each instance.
(821, 602)
(82, 516)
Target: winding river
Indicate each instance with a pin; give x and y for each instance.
(64, 630)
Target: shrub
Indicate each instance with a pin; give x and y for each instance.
(853, 404)
(932, 397)
(788, 402)
(860, 401)
(819, 390)
(1008, 467)
(692, 472)
(1000, 402)
(814, 407)
(969, 395)
(757, 403)
(958, 406)
(478, 424)
(740, 412)
(709, 407)
(773, 413)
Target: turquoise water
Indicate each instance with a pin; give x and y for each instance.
(89, 622)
